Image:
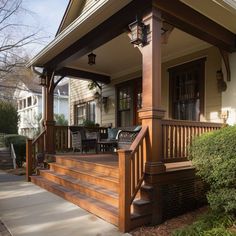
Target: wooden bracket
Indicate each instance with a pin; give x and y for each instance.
(51, 82)
(225, 56)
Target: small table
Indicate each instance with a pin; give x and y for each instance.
(107, 145)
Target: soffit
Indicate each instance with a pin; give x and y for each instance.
(216, 10)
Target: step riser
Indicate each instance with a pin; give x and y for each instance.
(82, 189)
(80, 202)
(85, 177)
(142, 209)
(109, 171)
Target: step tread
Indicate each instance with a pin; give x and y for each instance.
(77, 198)
(84, 183)
(87, 172)
(115, 168)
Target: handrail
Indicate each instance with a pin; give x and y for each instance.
(38, 137)
(141, 135)
(131, 176)
(32, 148)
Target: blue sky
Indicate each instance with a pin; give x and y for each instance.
(46, 16)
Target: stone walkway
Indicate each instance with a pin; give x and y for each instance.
(28, 210)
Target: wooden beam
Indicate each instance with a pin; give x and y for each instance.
(82, 74)
(190, 21)
(109, 29)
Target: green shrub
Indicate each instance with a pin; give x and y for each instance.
(214, 156)
(210, 224)
(19, 143)
(9, 117)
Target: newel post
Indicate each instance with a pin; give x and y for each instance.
(124, 189)
(29, 161)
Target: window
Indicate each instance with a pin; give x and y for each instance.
(29, 101)
(187, 90)
(85, 111)
(129, 101)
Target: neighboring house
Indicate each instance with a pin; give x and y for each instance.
(167, 65)
(30, 105)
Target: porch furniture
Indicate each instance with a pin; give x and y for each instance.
(84, 140)
(107, 145)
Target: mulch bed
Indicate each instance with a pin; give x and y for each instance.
(169, 226)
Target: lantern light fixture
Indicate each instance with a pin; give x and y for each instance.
(138, 32)
(91, 59)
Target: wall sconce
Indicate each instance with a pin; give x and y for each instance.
(91, 59)
(138, 32)
(224, 115)
(43, 81)
(97, 96)
(221, 85)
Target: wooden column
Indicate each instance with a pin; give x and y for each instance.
(29, 163)
(151, 112)
(49, 122)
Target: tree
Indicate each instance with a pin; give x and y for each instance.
(16, 35)
(9, 118)
(60, 119)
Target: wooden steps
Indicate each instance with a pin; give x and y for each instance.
(6, 161)
(99, 208)
(94, 187)
(91, 186)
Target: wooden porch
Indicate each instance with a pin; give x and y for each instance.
(114, 186)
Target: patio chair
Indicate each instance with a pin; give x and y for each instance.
(83, 140)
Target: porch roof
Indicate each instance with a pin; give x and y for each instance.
(61, 52)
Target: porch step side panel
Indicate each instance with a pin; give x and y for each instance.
(88, 176)
(99, 208)
(91, 190)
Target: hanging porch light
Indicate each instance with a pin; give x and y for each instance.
(91, 59)
(138, 32)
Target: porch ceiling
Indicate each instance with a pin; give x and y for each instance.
(119, 57)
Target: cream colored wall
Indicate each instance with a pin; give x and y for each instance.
(229, 96)
(109, 115)
(79, 89)
(78, 93)
(212, 96)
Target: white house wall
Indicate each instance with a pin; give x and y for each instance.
(229, 96)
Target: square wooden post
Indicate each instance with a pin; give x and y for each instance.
(124, 190)
(49, 122)
(151, 112)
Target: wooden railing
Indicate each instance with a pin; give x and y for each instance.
(33, 147)
(62, 138)
(177, 135)
(131, 176)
